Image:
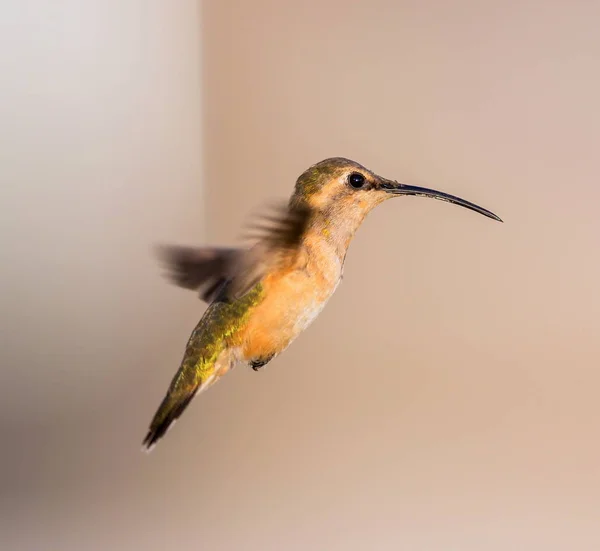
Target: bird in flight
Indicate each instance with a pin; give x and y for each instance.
(261, 297)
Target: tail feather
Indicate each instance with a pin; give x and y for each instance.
(170, 409)
(176, 401)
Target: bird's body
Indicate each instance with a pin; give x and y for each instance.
(293, 296)
(263, 297)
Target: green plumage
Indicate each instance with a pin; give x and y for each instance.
(214, 333)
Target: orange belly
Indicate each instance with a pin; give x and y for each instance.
(292, 301)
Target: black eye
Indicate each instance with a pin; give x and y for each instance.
(356, 180)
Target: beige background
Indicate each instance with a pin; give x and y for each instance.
(446, 399)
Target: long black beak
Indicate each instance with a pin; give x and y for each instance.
(401, 189)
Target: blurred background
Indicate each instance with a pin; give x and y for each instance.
(447, 397)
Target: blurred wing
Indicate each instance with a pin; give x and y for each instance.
(277, 237)
(211, 270)
(282, 229)
(203, 269)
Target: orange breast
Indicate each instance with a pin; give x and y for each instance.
(293, 299)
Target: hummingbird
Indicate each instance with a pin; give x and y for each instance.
(263, 295)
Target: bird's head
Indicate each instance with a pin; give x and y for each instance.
(345, 189)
